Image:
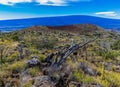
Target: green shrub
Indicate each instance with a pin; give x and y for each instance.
(112, 55)
(116, 45)
(18, 66)
(42, 57)
(41, 44)
(3, 60)
(15, 37)
(13, 57)
(34, 71)
(108, 55)
(28, 84)
(81, 77)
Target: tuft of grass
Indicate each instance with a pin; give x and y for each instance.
(34, 71)
(18, 66)
(13, 57)
(28, 84)
(81, 77)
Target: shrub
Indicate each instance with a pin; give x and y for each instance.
(108, 55)
(15, 37)
(18, 66)
(13, 57)
(34, 71)
(28, 84)
(112, 54)
(41, 44)
(116, 45)
(42, 57)
(81, 77)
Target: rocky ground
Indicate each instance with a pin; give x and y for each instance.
(67, 56)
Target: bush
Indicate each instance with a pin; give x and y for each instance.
(18, 66)
(116, 45)
(81, 77)
(108, 55)
(15, 37)
(4, 60)
(42, 57)
(41, 44)
(112, 55)
(28, 84)
(13, 57)
(34, 71)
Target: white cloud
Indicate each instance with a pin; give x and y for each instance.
(41, 2)
(51, 2)
(11, 2)
(108, 13)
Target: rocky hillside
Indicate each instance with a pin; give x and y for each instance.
(77, 29)
(75, 56)
(86, 28)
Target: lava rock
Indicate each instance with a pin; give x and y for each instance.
(43, 81)
(33, 62)
(86, 69)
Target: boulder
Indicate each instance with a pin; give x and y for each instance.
(33, 62)
(108, 66)
(87, 70)
(43, 81)
(117, 69)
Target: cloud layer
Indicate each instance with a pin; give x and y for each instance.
(109, 13)
(41, 2)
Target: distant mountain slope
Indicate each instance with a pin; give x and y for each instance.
(60, 21)
(79, 28)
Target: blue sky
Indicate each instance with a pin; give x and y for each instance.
(17, 9)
